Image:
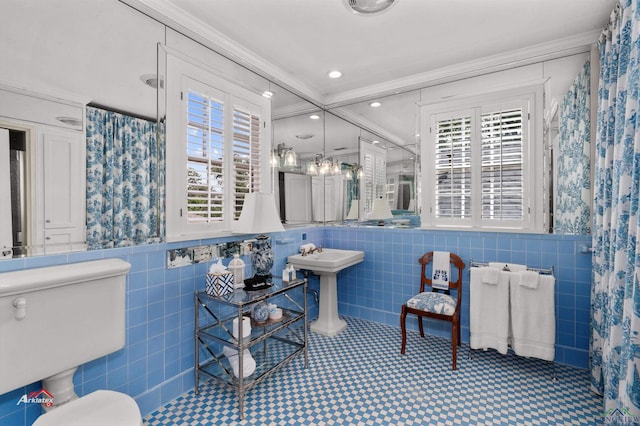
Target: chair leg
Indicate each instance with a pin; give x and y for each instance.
(420, 326)
(403, 317)
(454, 344)
(459, 340)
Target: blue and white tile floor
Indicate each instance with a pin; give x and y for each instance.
(359, 377)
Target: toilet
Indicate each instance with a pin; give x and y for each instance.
(55, 319)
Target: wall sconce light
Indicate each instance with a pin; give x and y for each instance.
(352, 170)
(284, 156)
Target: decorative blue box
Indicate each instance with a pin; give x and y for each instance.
(219, 284)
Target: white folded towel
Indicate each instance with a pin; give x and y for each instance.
(441, 270)
(533, 319)
(489, 311)
(511, 267)
(248, 363)
(307, 247)
(529, 279)
(490, 275)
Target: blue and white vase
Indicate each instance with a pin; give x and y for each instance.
(262, 259)
(260, 311)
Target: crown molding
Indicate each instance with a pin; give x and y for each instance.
(572, 45)
(168, 14)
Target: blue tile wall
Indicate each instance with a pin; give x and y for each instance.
(156, 364)
(376, 288)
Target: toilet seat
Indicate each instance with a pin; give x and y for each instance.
(99, 408)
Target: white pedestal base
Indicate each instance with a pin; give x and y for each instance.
(328, 322)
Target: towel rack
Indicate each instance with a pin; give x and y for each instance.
(544, 271)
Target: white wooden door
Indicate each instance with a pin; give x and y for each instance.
(6, 238)
(297, 189)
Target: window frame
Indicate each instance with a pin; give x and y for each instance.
(183, 75)
(529, 96)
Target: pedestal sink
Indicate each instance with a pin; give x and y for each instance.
(327, 264)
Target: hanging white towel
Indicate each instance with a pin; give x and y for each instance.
(489, 310)
(533, 319)
(529, 279)
(490, 276)
(441, 270)
(510, 267)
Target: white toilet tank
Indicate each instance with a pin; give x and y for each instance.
(56, 318)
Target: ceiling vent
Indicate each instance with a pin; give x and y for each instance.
(368, 7)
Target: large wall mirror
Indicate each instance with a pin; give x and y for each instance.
(330, 163)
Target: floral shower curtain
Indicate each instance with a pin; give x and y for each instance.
(572, 213)
(615, 294)
(123, 171)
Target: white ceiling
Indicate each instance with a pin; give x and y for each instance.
(298, 42)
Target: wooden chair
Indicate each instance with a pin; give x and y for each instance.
(437, 304)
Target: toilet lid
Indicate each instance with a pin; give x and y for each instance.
(99, 408)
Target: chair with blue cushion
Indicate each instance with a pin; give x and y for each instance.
(437, 304)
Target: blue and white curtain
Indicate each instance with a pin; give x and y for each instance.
(615, 294)
(572, 213)
(124, 175)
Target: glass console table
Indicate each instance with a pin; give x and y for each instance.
(272, 343)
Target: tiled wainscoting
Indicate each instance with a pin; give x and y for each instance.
(156, 365)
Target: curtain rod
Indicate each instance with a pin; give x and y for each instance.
(119, 111)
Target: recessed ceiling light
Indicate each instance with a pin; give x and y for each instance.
(335, 74)
(314, 117)
(375, 142)
(375, 104)
(267, 94)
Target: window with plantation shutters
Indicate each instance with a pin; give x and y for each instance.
(246, 157)
(373, 183)
(502, 165)
(479, 164)
(216, 155)
(205, 158)
(452, 161)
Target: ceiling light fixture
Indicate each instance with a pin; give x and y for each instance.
(368, 7)
(267, 94)
(152, 80)
(375, 104)
(335, 74)
(314, 117)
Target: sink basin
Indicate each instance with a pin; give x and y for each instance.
(327, 264)
(330, 260)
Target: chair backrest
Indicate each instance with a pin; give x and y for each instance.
(454, 259)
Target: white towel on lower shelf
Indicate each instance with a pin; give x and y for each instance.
(248, 363)
(533, 318)
(441, 270)
(489, 311)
